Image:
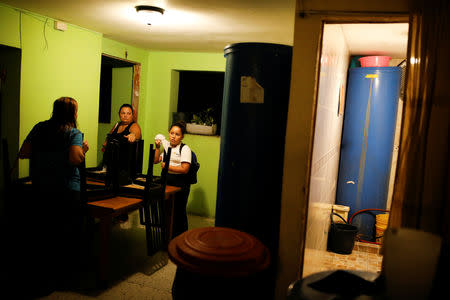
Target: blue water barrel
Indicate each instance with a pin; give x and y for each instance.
(254, 115)
(367, 142)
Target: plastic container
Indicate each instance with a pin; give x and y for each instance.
(382, 219)
(375, 61)
(368, 135)
(380, 226)
(341, 237)
(342, 211)
(219, 263)
(245, 185)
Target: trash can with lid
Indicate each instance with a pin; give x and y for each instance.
(219, 263)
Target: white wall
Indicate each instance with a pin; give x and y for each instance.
(334, 63)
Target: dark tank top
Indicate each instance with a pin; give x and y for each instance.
(126, 131)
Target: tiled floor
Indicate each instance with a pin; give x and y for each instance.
(364, 257)
(139, 277)
(135, 275)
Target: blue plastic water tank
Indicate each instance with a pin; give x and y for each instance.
(254, 115)
(367, 142)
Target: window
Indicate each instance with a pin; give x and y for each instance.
(198, 91)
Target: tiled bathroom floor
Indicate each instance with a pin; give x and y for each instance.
(364, 257)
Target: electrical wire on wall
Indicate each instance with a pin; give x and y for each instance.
(21, 13)
(45, 37)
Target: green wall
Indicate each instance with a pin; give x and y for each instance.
(9, 18)
(54, 64)
(162, 82)
(59, 64)
(68, 63)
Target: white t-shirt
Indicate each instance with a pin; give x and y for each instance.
(176, 158)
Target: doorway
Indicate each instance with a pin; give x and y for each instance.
(10, 61)
(342, 45)
(119, 84)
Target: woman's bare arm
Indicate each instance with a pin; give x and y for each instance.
(77, 154)
(183, 169)
(157, 157)
(135, 133)
(25, 150)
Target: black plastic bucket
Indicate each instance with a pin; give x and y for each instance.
(341, 237)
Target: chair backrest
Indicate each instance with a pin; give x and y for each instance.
(111, 156)
(83, 182)
(166, 168)
(138, 158)
(123, 161)
(156, 191)
(152, 214)
(6, 165)
(149, 176)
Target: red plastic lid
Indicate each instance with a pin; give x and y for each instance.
(374, 61)
(219, 251)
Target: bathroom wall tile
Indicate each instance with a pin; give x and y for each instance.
(325, 156)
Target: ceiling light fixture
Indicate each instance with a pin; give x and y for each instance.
(150, 14)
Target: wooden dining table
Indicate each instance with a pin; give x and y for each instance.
(117, 204)
(104, 204)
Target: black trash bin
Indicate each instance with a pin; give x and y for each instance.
(341, 236)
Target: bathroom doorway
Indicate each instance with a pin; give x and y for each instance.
(119, 84)
(342, 46)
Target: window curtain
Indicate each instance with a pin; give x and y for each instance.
(421, 193)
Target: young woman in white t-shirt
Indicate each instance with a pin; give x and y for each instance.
(180, 162)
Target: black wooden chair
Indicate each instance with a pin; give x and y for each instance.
(6, 165)
(13, 188)
(123, 162)
(153, 211)
(137, 159)
(7, 181)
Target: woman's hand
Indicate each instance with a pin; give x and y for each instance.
(162, 165)
(157, 144)
(77, 154)
(85, 146)
(25, 150)
(131, 137)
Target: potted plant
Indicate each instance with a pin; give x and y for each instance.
(203, 123)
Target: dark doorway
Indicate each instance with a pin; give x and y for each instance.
(119, 84)
(10, 60)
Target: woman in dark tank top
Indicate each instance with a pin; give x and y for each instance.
(125, 133)
(126, 128)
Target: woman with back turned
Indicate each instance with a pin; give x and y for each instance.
(56, 149)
